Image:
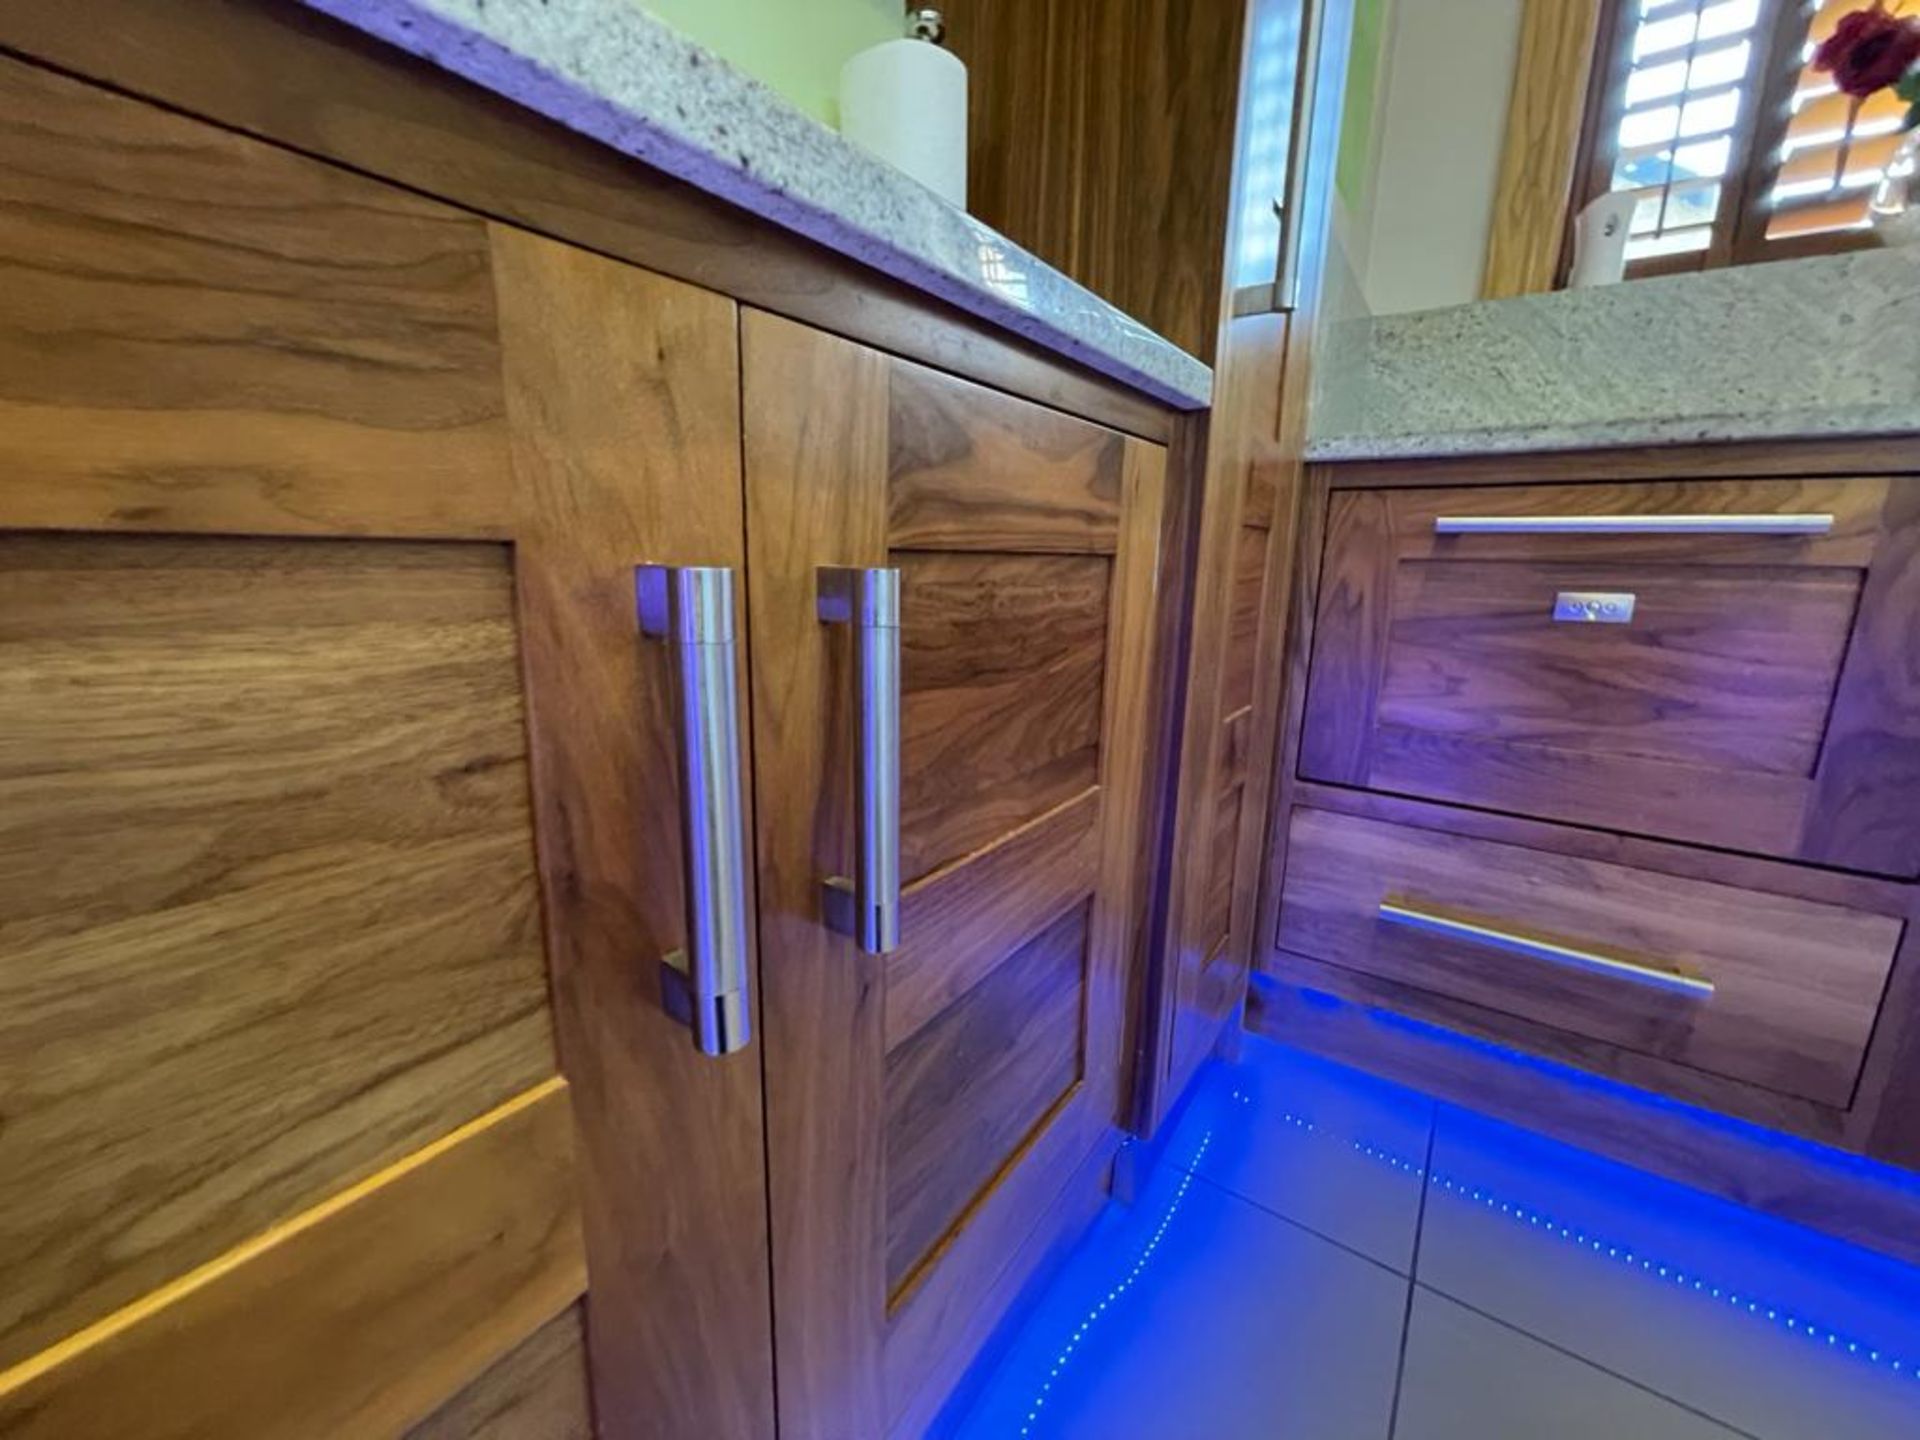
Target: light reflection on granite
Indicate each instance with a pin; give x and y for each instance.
(1796, 348)
(609, 70)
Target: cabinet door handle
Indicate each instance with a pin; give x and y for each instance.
(691, 608)
(1633, 525)
(1414, 918)
(866, 905)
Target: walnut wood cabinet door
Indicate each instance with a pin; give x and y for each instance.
(338, 812)
(928, 1106)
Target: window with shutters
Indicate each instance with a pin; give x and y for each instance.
(1736, 150)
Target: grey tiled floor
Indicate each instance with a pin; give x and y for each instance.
(1327, 1257)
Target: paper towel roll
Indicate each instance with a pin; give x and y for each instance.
(906, 101)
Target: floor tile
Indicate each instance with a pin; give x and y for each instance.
(1471, 1378)
(1772, 1329)
(1194, 1314)
(1335, 1150)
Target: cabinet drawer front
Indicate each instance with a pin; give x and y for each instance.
(1770, 989)
(1719, 662)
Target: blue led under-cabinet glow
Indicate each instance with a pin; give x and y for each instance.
(1677, 1275)
(1534, 1218)
(1113, 1296)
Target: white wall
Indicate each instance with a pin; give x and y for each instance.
(1446, 82)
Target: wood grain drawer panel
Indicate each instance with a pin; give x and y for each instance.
(1797, 984)
(1764, 695)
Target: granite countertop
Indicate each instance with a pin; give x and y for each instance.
(1791, 349)
(608, 69)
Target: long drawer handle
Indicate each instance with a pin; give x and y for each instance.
(1416, 919)
(691, 608)
(1633, 525)
(866, 906)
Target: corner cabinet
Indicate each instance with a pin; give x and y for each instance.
(353, 830)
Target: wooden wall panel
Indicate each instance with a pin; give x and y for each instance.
(268, 917)
(357, 1317)
(965, 1091)
(1101, 137)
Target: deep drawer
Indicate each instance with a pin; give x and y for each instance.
(1729, 663)
(1770, 989)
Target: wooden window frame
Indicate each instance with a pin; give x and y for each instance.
(1740, 235)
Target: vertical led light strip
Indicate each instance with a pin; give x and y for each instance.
(1113, 1296)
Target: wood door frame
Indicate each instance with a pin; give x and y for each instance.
(1753, 1169)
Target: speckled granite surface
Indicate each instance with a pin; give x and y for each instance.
(609, 70)
(1793, 349)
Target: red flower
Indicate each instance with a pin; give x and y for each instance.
(1869, 50)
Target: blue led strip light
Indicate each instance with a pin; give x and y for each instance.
(1748, 1304)
(1120, 1288)
(1625, 1255)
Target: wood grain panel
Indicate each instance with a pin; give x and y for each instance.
(965, 1091)
(816, 484)
(1224, 842)
(624, 394)
(1539, 154)
(974, 1334)
(1798, 984)
(1715, 716)
(192, 336)
(1352, 619)
(1243, 619)
(1721, 666)
(536, 1391)
(971, 468)
(1101, 136)
(267, 906)
(1003, 661)
(357, 1317)
(958, 926)
(1867, 788)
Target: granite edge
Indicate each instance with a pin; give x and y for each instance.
(1107, 340)
(1618, 434)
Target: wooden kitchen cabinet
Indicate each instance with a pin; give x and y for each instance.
(341, 818)
(929, 1108)
(1612, 760)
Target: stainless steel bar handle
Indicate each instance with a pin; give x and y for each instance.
(1633, 525)
(1415, 918)
(691, 608)
(867, 905)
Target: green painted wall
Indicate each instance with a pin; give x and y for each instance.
(1355, 158)
(795, 46)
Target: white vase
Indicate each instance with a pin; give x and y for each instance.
(1895, 208)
